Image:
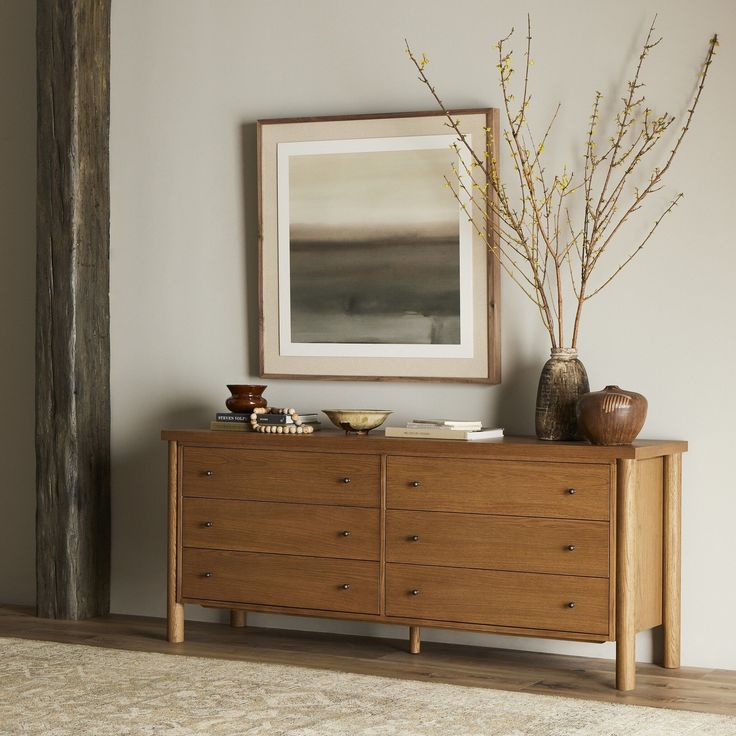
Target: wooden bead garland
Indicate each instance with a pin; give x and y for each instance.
(298, 427)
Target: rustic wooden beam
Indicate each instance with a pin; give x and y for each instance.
(72, 309)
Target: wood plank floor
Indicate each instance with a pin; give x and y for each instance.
(689, 688)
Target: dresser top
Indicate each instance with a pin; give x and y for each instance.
(376, 443)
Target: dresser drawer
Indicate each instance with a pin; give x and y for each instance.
(281, 528)
(515, 599)
(498, 542)
(280, 580)
(563, 490)
(273, 475)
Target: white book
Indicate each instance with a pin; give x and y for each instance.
(456, 423)
(453, 427)
(444, 433)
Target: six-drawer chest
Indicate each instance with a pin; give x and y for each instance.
(512, 536)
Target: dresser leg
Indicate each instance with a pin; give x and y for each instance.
(672, 557)
(175, 623)
(175, 610)
(626, 576)
(625, 662)
(238, 618)
(414, 641)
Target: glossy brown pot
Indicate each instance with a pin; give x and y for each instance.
(245, 398)
(612, 416)
(562, 383)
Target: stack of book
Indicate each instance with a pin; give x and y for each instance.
(283, 421)
(232, 421)
(445, 429)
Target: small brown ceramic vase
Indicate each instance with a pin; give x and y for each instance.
(612, 416)
(245, 398)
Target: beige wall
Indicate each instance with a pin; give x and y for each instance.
(189, 80)
(17, 299)
(190, 77)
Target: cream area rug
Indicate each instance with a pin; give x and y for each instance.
(59, 689)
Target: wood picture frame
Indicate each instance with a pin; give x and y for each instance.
(369, 269)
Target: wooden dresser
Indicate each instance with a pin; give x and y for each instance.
(513, 536)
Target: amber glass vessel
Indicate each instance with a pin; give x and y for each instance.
(245, 398)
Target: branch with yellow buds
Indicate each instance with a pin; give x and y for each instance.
(530, 228)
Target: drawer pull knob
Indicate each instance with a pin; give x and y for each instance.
(571, 547)
(571, 491)
(414, 538)
(345, 586)
(208, 473)
(346, 480)
(415, 592)
(346, 533)
(571, 604)
(208, 524)
(208, 574)
(416, 483)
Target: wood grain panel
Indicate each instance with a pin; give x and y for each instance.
(282, 528)
(562, 490)
(72, 401)
(672, 559)
(498, 542)
(281, 580)
(408, 621)
(375, 443)
(626, 580)
(299, 477)
(649, 565)
(175, 610)
(501, 598)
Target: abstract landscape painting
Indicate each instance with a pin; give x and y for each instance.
(370, 267)
(374, 247)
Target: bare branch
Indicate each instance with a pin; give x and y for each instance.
(638, 250)
(526, 220)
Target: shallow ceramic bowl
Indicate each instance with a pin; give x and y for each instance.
(357, 421)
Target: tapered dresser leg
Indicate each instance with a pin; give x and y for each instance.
(414, 641)
(175, 629)
(626, 577)
(175, 610)
(672, 559)
(238, 618)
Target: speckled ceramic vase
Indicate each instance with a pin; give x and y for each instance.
(562, 383)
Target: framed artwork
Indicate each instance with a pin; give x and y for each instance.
(369, 267)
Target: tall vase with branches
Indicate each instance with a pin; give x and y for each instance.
(550, 229)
